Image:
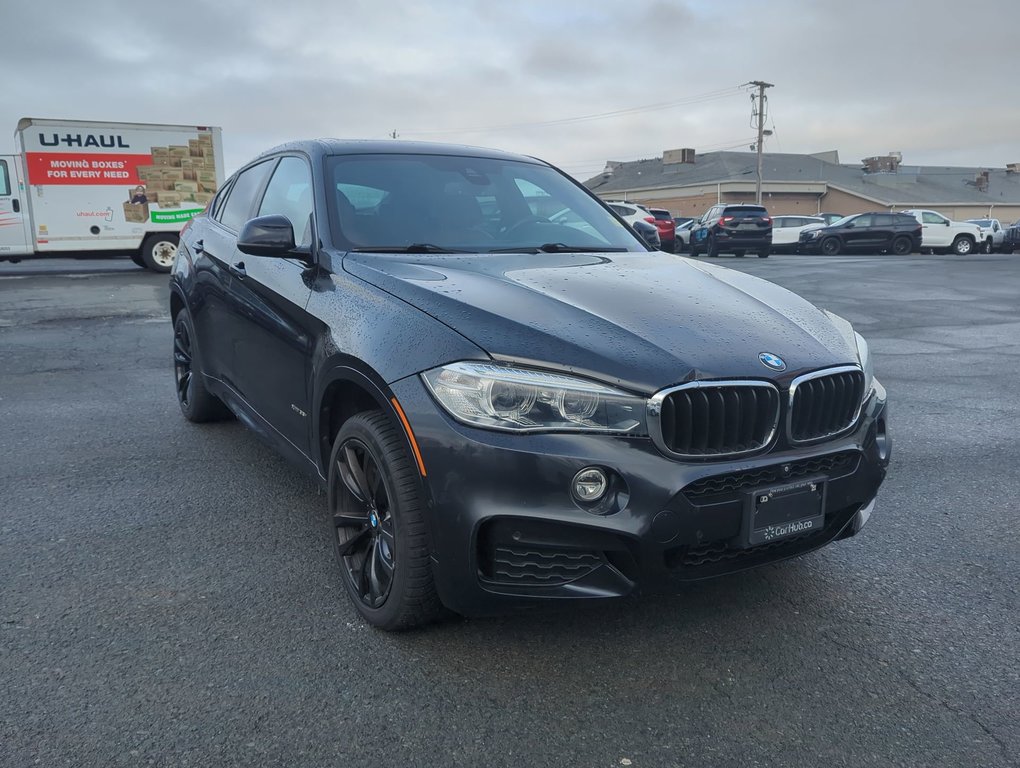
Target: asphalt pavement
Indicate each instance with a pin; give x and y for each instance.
(168, 595)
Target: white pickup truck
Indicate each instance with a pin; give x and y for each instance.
(994, 233)
(939, 233)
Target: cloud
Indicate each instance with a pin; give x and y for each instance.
(934, 81)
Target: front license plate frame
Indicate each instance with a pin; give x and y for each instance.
(779, 512)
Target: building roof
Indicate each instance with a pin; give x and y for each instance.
(910, 184)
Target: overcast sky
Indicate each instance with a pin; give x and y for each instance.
(937, 80)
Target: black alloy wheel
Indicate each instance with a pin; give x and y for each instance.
(830, 246)
(365, 533)
(379, 536)
(711, 249)
(197, 403)
(901, 246)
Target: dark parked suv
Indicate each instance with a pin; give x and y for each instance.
(876, 232)
(508, 405)
(733, 229)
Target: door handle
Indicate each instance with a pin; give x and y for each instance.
(237, 270)
(198, 247)
(16, 204)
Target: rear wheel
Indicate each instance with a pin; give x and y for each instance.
(739, 254)
(901, 246)
(137, 259)
(158, 251)
(962, 245)
(197, 403)
(711, 249)
(763, 254)
(830, 246)
(378, 528)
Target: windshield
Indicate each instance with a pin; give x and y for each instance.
(437, 203)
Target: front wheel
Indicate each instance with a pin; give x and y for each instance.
(962, 245)
(830, 246)
(763, 253)
(378, 528)
(159, 250)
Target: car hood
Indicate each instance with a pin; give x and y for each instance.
(642, 321)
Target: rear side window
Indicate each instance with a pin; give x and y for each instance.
(882, 220)
(623, 210)
(5, 180)
(290, 194)
(237, 208)
(902, 220)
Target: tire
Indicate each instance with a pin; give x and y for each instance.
(377, 525)
(711, 249)
(989, 246)
(962, 245)
(196, 402)
(158, 251)
(901, 246)
(137, 259)
(694, 248)
(763, 254)
(830, 246)
(738, 254)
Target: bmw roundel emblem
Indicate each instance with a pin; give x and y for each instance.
(775, 362)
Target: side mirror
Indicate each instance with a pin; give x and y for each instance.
(946, 222)
(267, 236)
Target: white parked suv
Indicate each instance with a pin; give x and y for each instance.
(630, 212)
(786, 230)
(940, 233)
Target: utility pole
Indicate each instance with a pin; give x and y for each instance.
(761, 85)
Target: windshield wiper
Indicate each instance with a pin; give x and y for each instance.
(559, 248)
(412, 248)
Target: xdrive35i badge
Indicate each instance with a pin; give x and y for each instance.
(775, 362)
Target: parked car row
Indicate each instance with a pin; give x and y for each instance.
(743, 228)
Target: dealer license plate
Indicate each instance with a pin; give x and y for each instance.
(773, 514)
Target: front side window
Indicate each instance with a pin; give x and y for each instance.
(460, 203)
(237, 208)
(289, 194)
(864, 220)
(929, 217)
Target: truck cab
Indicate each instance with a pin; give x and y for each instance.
(15, 228)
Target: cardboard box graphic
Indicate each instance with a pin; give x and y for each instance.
(136, 212)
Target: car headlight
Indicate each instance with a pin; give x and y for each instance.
(864, 355)
(523, 400)
(860, 344)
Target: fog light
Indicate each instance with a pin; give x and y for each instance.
(590, 484)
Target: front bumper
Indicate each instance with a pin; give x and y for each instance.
(505, 528)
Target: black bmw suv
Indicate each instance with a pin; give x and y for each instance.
(876, 232)
(733, 229)
(506, 405)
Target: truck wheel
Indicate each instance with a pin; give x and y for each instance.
(830, 246)
(158, 251)
(989, 246)
(962, 245)
(137, 259)
(901, 246)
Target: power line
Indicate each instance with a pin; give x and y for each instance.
(687, 101)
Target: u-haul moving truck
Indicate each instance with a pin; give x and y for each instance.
(76, 187)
